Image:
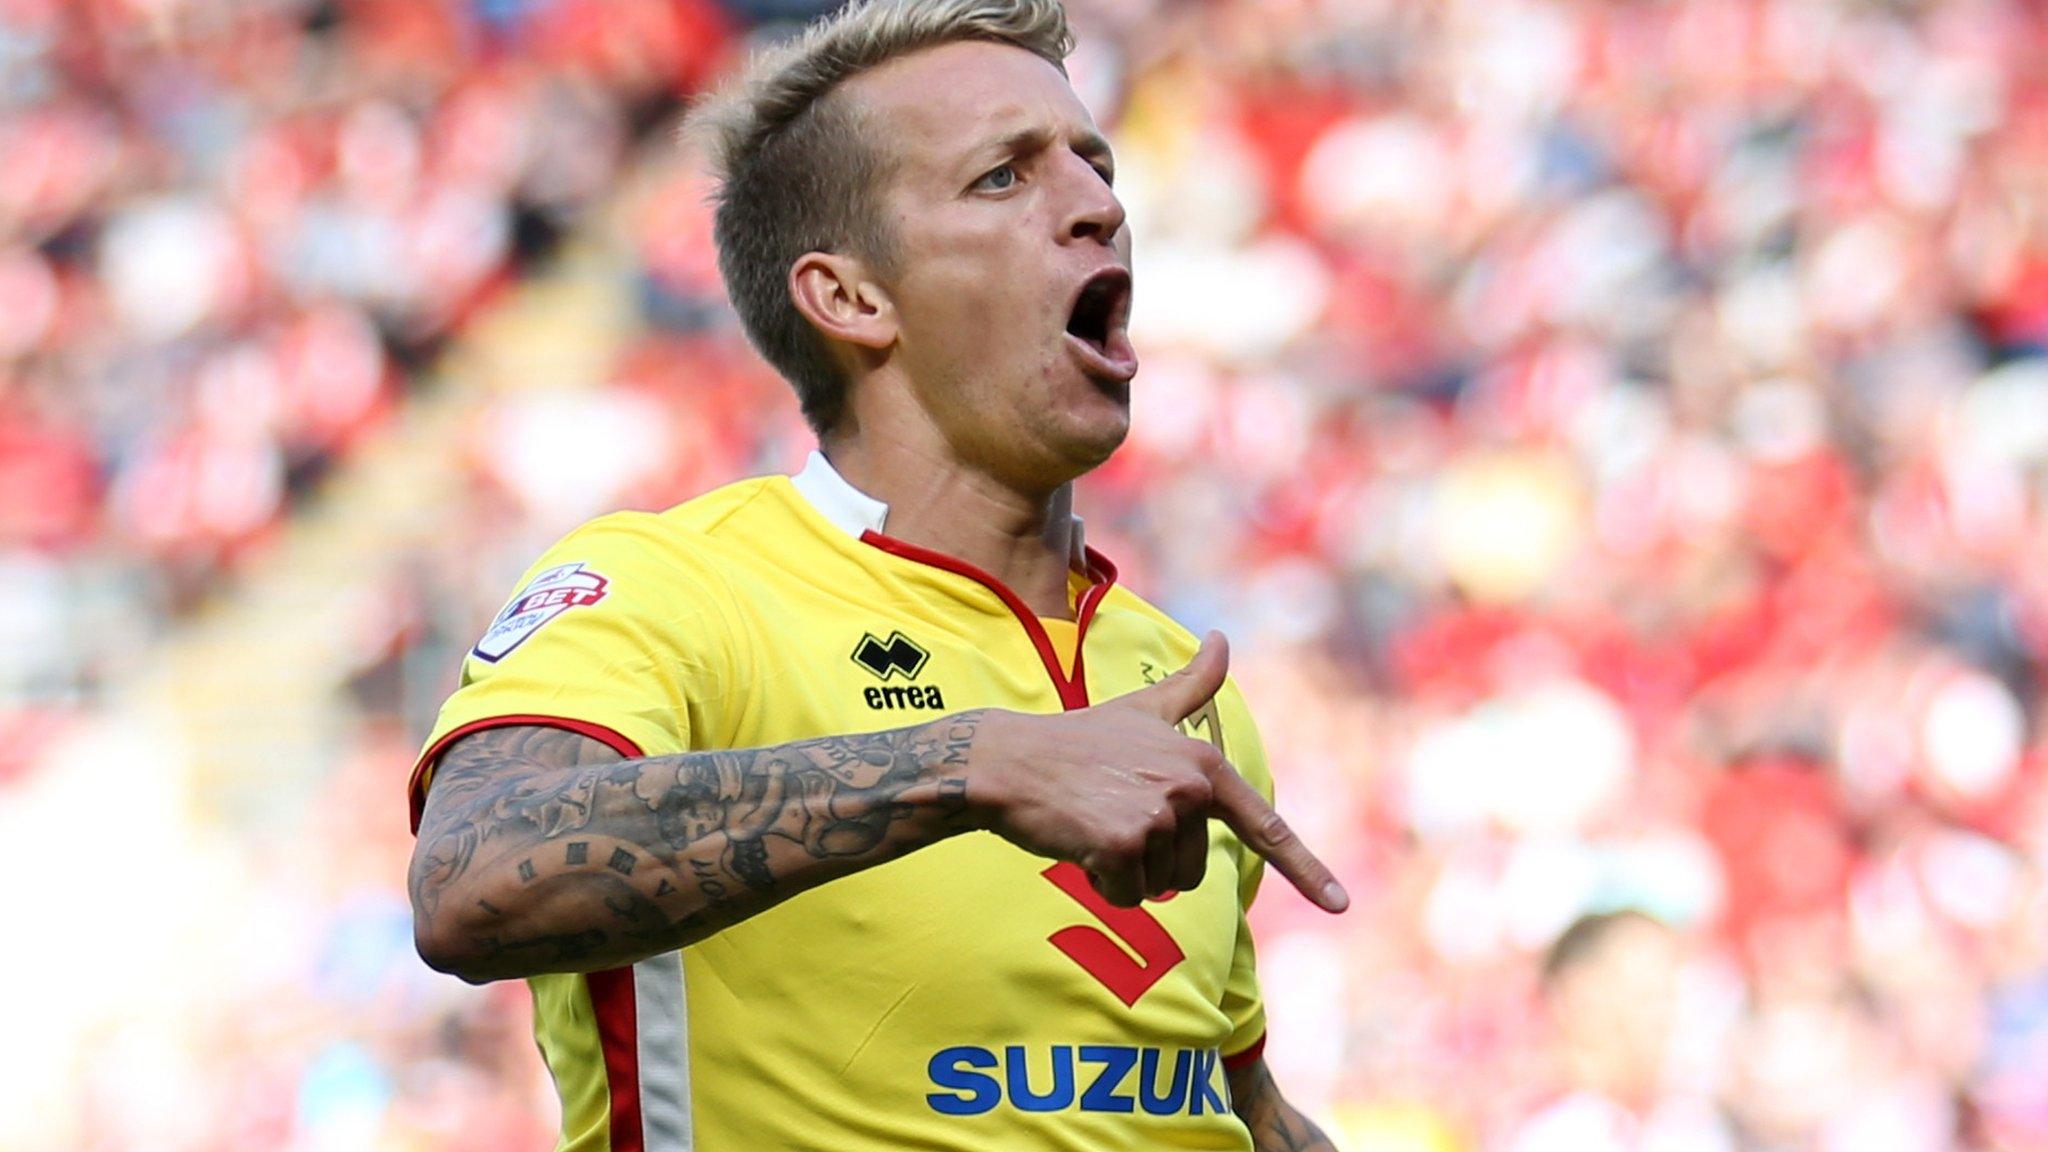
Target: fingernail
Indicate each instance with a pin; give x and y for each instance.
(1335, 897)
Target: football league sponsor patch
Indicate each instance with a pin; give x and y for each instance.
(547, 596)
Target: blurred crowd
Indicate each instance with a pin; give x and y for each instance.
(233, 233)
(1614, 434)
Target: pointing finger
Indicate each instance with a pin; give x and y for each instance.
(1240, 806)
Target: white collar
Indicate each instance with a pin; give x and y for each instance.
(853, 511)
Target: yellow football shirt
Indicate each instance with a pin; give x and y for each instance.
(966, 996)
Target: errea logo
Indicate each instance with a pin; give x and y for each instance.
(899, 655)
(885, 659)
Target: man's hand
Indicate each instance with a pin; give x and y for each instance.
(540, 850)
(1118, 790)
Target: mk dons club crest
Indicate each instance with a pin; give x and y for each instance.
(550, 594)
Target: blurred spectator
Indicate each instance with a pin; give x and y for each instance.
(1611, 984)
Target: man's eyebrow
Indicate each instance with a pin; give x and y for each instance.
(1091, 145)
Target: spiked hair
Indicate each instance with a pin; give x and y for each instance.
(800, 171)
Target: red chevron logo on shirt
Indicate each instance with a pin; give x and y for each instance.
(1126, 975)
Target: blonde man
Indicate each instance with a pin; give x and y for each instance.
(860, 809)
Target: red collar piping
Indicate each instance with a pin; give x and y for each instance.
(1101, 576)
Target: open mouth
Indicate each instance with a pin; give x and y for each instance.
(1098, 321)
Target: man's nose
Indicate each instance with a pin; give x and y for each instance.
(1096, 213)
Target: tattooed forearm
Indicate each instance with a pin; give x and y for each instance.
(1274, 1123)
(541, 850)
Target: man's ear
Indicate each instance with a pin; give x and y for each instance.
(836, 294)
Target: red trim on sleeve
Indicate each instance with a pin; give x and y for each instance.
(1238, 1060)
(1101, 573)
(611, 999)
(416, 788)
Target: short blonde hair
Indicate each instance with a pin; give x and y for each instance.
(799, 171)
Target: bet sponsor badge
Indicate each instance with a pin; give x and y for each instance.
(547, 596)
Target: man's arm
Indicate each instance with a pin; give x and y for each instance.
(541, 851)
(1275, 1125)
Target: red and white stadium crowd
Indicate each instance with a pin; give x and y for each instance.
(1614, 434)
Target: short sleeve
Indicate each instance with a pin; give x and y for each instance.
(611, 634)
(1242, 1001)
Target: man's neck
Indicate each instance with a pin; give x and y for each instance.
(1024, 540)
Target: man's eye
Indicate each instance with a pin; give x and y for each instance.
(997, 179)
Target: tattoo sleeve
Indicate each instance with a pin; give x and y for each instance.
(541, 850)
(1275, 1124)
